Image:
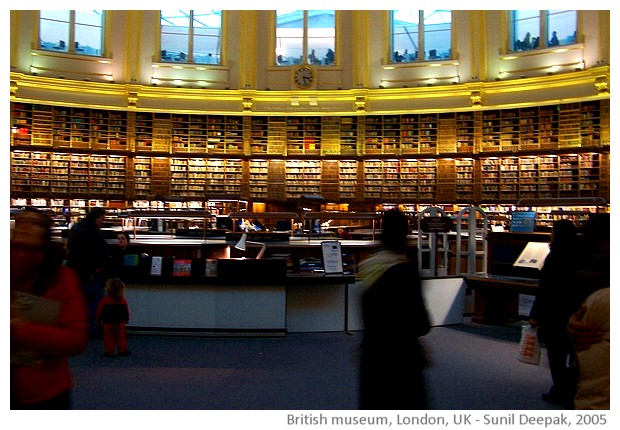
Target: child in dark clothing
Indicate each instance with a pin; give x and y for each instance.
(113, 315)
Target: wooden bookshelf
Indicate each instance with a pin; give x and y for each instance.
(347, 180)
(258, 135)
(481, 156)
(303, 178)
(349, 135)
(303, 135)
(142, 173)
(258, 179)
(330, 177)
(465, 178)
(409, 179)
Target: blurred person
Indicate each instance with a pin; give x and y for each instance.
(87, 253)
(589, 330)
(113, 316)
(394, 315)
(557, 298)
(48, 317)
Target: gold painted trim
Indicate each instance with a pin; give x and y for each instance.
(278, 102)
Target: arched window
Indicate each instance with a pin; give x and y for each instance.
(305, 36)
(73, 31)
(534, 29)
(421, 35)
(191, 36)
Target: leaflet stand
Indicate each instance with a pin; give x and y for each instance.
(332, 265)
(332, 258)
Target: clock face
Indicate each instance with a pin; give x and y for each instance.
(303, 77)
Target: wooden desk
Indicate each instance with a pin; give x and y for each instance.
(496, 298)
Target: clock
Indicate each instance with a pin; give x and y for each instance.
(303, 76)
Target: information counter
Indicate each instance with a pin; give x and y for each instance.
(270, 296)
(262, 299)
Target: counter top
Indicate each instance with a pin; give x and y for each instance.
(290, 279)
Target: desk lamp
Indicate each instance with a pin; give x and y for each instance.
(243, 241)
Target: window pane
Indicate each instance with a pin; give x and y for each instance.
(174, 35)
(289, 36)
(54, 30)
(88, 32)
(405, 29)
(562, 27)
(525, 29)
(207, 36)
(321, 36)
(437, 34)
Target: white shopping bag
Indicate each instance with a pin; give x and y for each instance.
(529, 348)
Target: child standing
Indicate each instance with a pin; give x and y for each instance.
(113, 315)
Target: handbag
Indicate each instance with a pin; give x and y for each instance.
(529, 347)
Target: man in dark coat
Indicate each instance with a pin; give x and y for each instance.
(87, 253)
(558, 296)
(394, 316)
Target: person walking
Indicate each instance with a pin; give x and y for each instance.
(394, 316)
(87, 253)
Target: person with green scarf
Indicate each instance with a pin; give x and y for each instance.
(394, 315)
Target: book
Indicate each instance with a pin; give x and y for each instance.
(182, 268)
(131, 260)
(533, 255)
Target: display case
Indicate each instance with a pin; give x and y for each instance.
(364, 222)
(271, 221)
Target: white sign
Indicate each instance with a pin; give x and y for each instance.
(156, 263)
(332, 257)
(533, 255)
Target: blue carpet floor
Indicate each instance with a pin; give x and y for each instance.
(473, 367)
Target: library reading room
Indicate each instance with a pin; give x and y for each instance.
(250, 155)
